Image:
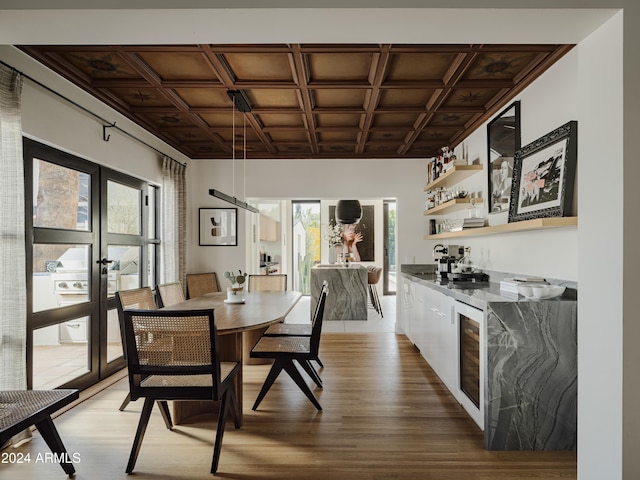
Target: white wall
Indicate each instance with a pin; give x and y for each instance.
(315, 180)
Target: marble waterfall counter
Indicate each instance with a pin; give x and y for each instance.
(347, 299)
(531, 373)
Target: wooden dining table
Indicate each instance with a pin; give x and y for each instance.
(259, 310)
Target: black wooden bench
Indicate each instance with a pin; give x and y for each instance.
(19, 409)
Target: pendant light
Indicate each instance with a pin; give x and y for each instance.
(239, 102)
(348, 212)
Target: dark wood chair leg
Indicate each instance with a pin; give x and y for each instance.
(317, 360)
(166, 414)
(125, 402)
(142, 427)
(307, 367)
(293, 372)
(50, 435)
(276, 368)
(222, 418)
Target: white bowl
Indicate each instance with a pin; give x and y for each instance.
(547, 291)
(525, 290)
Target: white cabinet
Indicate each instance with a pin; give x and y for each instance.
(428, 320)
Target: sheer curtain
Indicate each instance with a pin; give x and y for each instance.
(13, 289)
(174, 228)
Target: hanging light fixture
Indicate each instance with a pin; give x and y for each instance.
(242, 104)
(348, 212)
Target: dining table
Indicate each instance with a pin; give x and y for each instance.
(233, 320)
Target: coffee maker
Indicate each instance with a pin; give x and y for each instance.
(446, 257)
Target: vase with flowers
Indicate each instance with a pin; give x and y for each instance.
(234, 292)
(333, 235)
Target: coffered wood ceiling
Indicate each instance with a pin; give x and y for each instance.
(307, 100)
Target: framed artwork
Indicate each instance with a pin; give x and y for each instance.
(359, 238)
(503, 140)
(543, 175)
(218, 227)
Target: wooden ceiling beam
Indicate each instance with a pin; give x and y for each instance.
(377, 74)
(300, 74)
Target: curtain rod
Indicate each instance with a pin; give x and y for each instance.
(85, 109)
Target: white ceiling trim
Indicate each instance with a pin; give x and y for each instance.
(289, 25)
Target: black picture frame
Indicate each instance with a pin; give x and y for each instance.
(503, 140)
(218, 227)
(544, 175)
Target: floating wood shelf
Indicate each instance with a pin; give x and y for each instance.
(535, 224)
(451, 206)
(453, 176)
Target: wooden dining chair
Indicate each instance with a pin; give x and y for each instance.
(192, 370)
(169, 294)
(141, 298)
(267, 283)
(260, 283)
(199, 284)
(296, 329)
(286, 350)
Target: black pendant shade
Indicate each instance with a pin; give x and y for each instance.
(348, 212)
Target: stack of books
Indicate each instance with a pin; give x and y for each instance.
(472, 223)
(510, 285)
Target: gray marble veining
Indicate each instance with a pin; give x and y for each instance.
(531, 365)
(532, 376)
(347, 298)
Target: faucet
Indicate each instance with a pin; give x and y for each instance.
(442, 249)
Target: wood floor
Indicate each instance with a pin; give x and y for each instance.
(386, 417)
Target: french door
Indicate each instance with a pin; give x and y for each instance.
(90, 232)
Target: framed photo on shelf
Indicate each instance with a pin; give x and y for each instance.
(543, 175)
(218, 227)
(503, 140)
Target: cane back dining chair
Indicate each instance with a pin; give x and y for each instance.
(199, 284)
(169, 294)
(296, 329)
(267, 283)
(140, 298)
(285, 350)
(191, 370)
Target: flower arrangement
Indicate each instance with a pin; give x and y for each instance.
(333, 234)
(236, 280)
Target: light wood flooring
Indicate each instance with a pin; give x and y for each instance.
(386, 417)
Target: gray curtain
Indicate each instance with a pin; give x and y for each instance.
(173, 223)
(13, 288)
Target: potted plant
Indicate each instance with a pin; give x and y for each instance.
(234, 294)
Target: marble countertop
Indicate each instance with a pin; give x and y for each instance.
(477, 296)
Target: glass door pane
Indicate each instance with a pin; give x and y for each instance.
(390, 274)
(306, 243)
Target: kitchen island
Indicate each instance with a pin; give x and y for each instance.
(347, 299)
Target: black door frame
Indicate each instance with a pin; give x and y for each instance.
(98, 305)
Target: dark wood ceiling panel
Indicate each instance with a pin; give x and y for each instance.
(339, 67)
(141, 97)
(306, 101)
(178, 65)
(100, 64)
(259, 67)
(341, 98)
(418, 66)
(204, 97)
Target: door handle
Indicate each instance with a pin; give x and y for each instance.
(104, 261)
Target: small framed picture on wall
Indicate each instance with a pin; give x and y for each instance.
(218, 227)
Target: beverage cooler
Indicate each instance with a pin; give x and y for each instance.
(472, 348)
